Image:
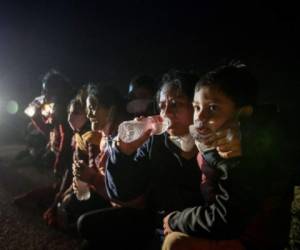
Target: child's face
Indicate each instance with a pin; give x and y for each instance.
(97, 114)
(212, 110)
(76, 118)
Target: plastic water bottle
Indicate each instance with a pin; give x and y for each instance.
(199, 139)
(132, 130)
(34, 106)
(83, 190)
(30, 110)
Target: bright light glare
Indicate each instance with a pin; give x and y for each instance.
(12, 107)
(30, 110)
(47, 109)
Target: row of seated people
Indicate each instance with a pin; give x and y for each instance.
(228, 185)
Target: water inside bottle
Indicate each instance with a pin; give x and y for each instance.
(131, 130)
(161, 127)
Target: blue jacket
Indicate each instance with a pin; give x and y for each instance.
(156, 170)
(252, 193)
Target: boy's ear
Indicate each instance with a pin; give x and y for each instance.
(245, 111)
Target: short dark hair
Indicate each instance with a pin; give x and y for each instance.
(77, 104)
(79, 101)
(106, 95)
(182, 80)
(143, 81)
(235, 81)
(55, 80)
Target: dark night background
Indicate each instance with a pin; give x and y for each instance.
(112, 41)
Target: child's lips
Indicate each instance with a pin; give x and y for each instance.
(203, 131)
(205, 134)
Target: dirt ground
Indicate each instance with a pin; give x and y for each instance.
(24, 228)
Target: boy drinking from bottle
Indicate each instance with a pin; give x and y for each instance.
(246, 198)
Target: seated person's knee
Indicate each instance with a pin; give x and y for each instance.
(83, 225)
(175, 241)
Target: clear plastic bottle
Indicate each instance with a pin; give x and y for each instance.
(199, 139)
(30, 110)
(34, 106)
(83, 190)
(132, 130)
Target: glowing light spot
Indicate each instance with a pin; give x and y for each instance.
(47, 109)
(30, 110)
(12, 107)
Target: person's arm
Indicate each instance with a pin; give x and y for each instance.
(39, 124)
(211, 219)
(127, 175)
(90, 175)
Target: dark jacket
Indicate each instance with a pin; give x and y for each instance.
(157, 170)
(251, 195)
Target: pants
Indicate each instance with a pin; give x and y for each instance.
(72, 209)
(181, 241)
(116, 228)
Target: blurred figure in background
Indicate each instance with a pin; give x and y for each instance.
(51, 120)
(79, 124)
(36, 135)
(140, 98)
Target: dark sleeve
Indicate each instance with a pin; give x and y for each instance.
(213, 218)
(127, 177)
